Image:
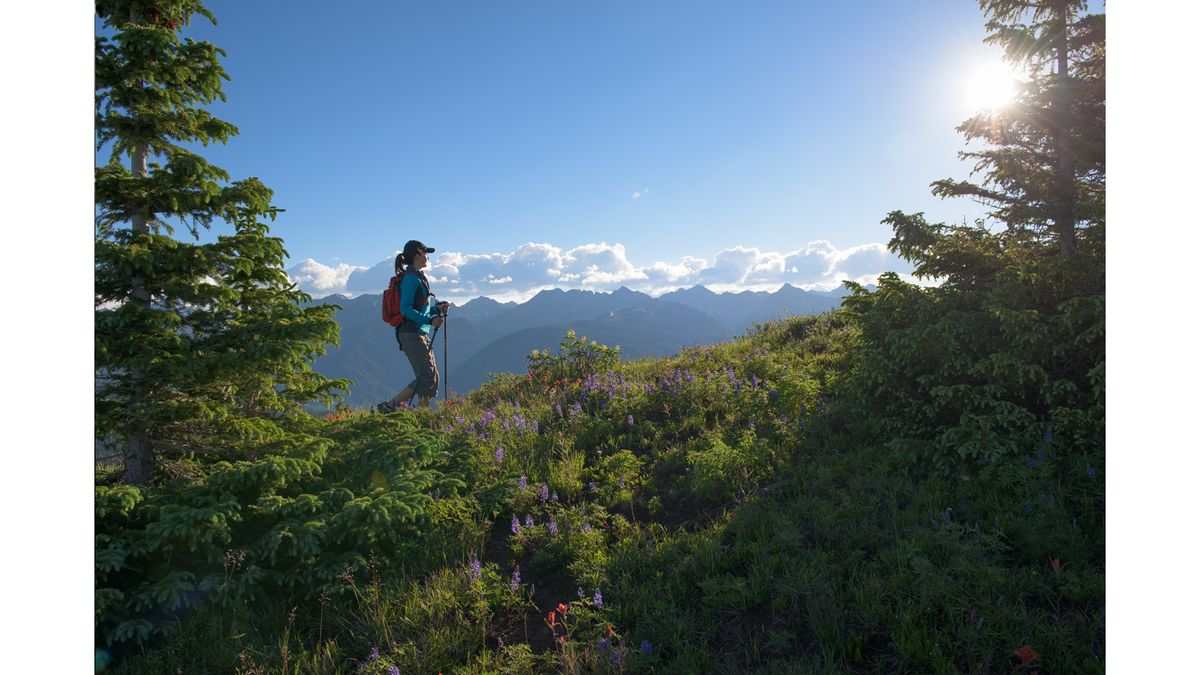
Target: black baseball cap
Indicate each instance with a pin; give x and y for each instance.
(413, 247)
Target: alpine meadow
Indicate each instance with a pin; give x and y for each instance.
(913, 482)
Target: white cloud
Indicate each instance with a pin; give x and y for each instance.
(534, 267)
(319, 280)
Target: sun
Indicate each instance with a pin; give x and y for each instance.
(990, 87)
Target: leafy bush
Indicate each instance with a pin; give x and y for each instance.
(287, 525)
(577, 358)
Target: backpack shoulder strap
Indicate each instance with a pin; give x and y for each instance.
(424, 285)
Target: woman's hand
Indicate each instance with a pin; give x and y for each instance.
(437, 321)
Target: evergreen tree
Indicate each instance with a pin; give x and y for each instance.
(1043, 174)
(1009, 349)
(200, 348)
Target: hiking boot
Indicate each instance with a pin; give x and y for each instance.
(385, 408)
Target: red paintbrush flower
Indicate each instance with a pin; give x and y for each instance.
(1056, 565)
(1026, 654)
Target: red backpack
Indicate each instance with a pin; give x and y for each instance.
(392, 315)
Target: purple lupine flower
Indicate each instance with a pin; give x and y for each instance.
(1041, 454)
(544, 494)
(374, 655)
(750, 426)
(522, 482)
(598, 600)
(646, 647)
(535, 426)
(774, 394)
(576, 409)
(528, 520)
(1048, 437)
(592, 486)
(629, 420)
(587, 527)
(458, 420)
(515, 582)
(552, 528)
(1029, 462)
(616, 656)
(558, 409)
(579, 592)
(516, 525)
(476, 568)
(621, 482)
(1091, 473)
(603, 646)
(499, 454)
(393, 670)
(554, 497)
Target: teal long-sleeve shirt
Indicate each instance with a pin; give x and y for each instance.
(416, 319)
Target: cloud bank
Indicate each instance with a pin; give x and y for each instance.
(533, 267)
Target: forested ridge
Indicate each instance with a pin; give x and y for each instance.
(911, 483)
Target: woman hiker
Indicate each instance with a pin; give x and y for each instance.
(413, 334)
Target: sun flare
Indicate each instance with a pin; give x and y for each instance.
(990, 87)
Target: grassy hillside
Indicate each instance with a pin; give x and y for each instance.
(724, 510)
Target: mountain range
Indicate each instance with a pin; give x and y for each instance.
(484, 336)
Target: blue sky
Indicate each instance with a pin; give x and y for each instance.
(652, 132)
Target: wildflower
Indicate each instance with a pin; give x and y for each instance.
(516, 525)
(393, 670)
(603, 646)
(535, 426)
(579, 592)
(597, 599)
(499, 454)
(750, 426)
(550, 618)
(374, 655)
(476, 569)
(646, 647)
(558, 409)
(772, 395)
(1048, 437)
(515, 582)
(1026, 654)
(528, 520)
(552, 528)
(554, 497)
(1091, 473)
(1041, 454)
(1028, 507)
(544, 494)
(629, 420)
(1029, 462)
(563, 608)
(587, 527)
(522, 482)
(616, 657)
(1056, 565)
(592, 486)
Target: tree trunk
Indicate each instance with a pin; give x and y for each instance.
(139, 453)
(1064, 178)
